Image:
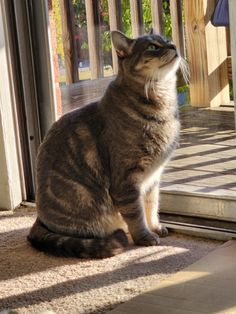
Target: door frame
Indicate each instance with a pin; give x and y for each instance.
(29, 86)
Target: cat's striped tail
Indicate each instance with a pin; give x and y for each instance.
(61, 245)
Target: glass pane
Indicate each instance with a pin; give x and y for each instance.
(80, 33)
(204, 164)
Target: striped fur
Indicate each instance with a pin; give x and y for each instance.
(99, 167)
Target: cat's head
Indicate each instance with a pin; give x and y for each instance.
(149, 57)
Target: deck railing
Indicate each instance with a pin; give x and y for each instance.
(203, 45)
(115, 12)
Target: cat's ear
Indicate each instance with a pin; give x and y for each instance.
(121, 43)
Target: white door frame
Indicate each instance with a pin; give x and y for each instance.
(27, 95)
(11, 185)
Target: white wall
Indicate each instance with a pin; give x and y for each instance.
(10, 183)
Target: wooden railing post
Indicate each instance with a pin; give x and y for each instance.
(136, 17)
(68, 37)
(207, 55)
(92, 14)
(157, 16)
(114, 7)
(177, 24)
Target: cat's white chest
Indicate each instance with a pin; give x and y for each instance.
(151, 178)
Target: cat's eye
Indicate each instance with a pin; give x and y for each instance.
(152, 47)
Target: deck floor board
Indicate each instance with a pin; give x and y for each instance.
(205, 161)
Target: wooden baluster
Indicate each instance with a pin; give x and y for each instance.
(114, 7)
(136, 17)
(95, 58)
(177, 24)
(157, 16)
(68, 38)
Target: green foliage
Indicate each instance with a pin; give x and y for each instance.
(167, 19)
(126, 18)
(105, 31)
(147, 17)
(80, 14)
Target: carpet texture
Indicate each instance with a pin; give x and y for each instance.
(32, 282)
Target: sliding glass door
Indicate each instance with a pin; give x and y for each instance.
(64, 60)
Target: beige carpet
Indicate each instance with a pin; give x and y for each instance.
(32, 282)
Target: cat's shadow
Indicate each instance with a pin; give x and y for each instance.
(18, 258)
(25, 260)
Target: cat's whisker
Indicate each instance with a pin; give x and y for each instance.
(155, 79)
(150, 85)
(185, 70)
(153, 85)
(147, 87)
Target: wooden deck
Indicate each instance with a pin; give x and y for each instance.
(205, 161)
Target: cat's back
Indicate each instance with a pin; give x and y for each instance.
(70, 122)
(73, 127)
(70, 150)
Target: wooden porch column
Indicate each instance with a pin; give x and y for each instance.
(207, 55)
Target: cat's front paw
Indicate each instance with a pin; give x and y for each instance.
(149, 239)
(162, 231)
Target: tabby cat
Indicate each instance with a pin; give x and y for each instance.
(99, 167)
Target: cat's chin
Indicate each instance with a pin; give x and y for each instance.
(169, 70)
(176, 58)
